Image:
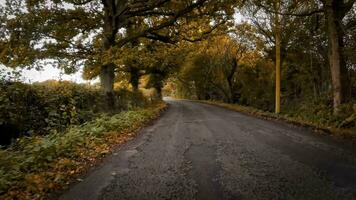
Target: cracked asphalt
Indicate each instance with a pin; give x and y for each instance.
(199, 151)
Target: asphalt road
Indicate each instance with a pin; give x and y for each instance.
(199, 151)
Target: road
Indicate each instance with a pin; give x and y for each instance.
(199, 151)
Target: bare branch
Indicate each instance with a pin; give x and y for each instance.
(80, 2)
(167, 23)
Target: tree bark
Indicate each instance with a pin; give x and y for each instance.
(337, 63)
(107, 77)
(107, 74)
(110, 29)
(107, 71)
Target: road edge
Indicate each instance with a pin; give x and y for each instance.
(335, 132)
(98, 164)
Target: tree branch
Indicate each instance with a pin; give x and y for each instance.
(80, 2)
(205, 33)
(347, 6)
(167, 23)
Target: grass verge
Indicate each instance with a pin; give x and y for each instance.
(36, 166)
(317, 127)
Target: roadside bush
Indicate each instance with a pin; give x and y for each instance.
(320, 112)
(52, 106)
(34, 166)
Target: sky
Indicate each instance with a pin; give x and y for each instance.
(47, 73)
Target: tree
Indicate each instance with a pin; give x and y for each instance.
(152, 59)
(335, 12)
(210, 68)
(87, 32)
(268, 21)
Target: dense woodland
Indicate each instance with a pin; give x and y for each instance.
(295, 58)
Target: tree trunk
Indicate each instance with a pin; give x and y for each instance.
(159, 92)
(336, 61)
(110, 28)
(230, 79)
(107, 77)
(107, 71)
(278, 59)
(134, 78)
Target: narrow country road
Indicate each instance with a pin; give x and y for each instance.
(198, 151)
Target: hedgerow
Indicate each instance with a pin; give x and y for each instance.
(34, 166)
(52, 106)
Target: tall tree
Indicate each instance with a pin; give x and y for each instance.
(335, 12)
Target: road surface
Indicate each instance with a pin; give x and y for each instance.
(199, 151)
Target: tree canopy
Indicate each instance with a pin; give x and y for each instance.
(73, 33)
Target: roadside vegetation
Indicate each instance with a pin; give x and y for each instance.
(53, 131)
(32, 167)
(52, 106)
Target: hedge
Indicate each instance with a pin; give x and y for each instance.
(52, 106)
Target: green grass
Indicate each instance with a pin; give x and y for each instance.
(35, 166)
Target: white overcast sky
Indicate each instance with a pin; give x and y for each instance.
(50, 72)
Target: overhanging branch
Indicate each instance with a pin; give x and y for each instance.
(167, 23)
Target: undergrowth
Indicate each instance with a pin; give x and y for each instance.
(37, 165)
